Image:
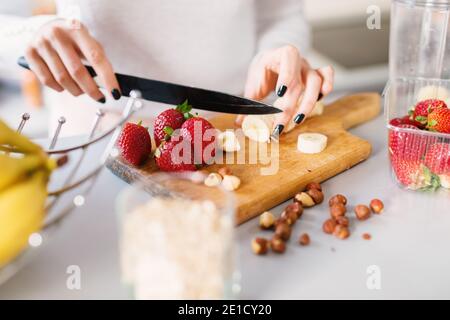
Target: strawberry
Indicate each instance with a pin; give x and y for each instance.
(405, 120)
(437, 158)
(406, 144)
(439, 120)
(406, 171)
(422, 109)
(169, 156)
(170, 120)
(201, 134)
(135, 143)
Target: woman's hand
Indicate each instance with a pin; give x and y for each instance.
(55, 56)
(287, 72)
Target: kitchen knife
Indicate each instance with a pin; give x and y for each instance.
(175, 94)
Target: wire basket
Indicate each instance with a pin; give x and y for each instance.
(76, 185)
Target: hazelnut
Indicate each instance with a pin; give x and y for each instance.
(362, 212)
(277, 244)
(231, 183)
(329, 226)
(313, 185)
(317, 195)
(266, 220)
(280, 220)
(366, 236)
(337, 210)
(295, 207)
(304, 239)
(260, 246)
(225, 171)
(343, 221)
(305, 199)
(213, 180)
(339, 198)
(283, 230)
(341, 232)
(290, 217)
(377, 206)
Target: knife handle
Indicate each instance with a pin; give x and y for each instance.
(24, 64)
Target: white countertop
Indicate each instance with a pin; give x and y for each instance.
(409, 245)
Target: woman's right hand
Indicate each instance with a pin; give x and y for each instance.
(55, 55)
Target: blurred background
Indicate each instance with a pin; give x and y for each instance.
(340, 37)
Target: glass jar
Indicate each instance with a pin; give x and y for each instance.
(176, 239)
(420, 39)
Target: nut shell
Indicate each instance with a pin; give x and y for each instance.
(295, 207)
(341, 232)
(260, 246)
(339, 198)
(343, 221)
(304, 240)
(377, 206)
(289, 216)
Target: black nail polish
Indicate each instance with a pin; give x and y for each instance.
(277, 131)
(116, 94)
(102, 100)
(320, 96)
(299, 118)
(281, 91)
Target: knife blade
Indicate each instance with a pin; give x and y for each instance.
(174, 94)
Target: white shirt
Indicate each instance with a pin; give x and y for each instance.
(203, 43)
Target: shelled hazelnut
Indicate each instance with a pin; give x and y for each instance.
(377, 206)
(305, 199)
(339, 198)
(260, 246)
(283, 230)
(277, 244)
(289, 216)
(343, 221)
(313, 185)
(366, 236)
(213, 180)
(362, 212)
(337, 210)
(329, 226)
(316, 195)
(295, 207)
(341, 232)
(266, 220)
(304, 240)
(231, 183)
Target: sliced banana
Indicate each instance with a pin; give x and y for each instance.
(228, 141)
(311, 143)
(259, 127)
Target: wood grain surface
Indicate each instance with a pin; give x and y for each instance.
(259, 192)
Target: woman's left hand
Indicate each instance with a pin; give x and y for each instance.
(286, 71)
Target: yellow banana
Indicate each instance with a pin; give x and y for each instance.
(21, 213)
(15, 169)
(19, 142)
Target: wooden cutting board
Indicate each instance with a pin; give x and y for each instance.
(257, 192)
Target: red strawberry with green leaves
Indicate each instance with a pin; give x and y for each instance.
(422, 109)
(437, 158)
(135, 143)
(439, 121)
(169, 120)
(202, 134)
(405, 120)
(414, 175)
(175, 156)
(407, 144)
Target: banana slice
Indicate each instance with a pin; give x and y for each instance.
(311, 143)
(259, 127)
(228, 141)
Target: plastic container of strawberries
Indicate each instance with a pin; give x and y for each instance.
(419, 158)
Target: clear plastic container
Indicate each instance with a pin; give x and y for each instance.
(420, 39)
(176, 239)
(420, 159)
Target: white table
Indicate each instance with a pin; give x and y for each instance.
(409, 245)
